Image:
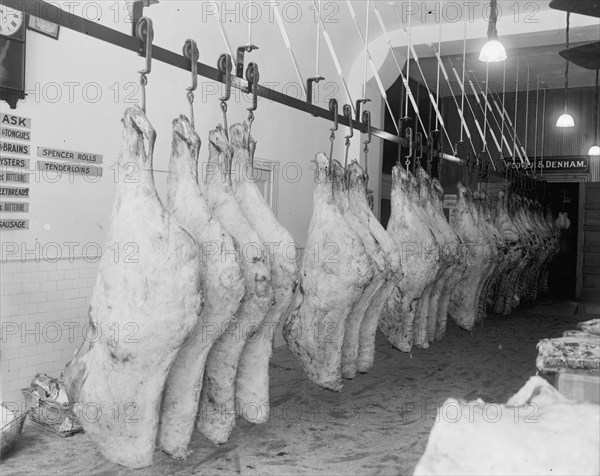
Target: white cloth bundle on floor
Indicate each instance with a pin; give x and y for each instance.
(538, 431)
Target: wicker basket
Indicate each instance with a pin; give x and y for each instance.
(11, 433)
(52, 415)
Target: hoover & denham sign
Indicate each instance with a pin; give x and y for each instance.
(553, 164)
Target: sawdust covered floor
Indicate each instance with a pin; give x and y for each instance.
(378, 424)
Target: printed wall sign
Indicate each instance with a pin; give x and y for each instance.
(16, 134)
(15, 121)
(14, 162)
(13, 177)
(18, 192)
(14, 224)
(14, 207)
(12, 148)
(59, 154)
(80, 169)
(553, 164)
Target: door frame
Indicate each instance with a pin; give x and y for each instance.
(581, 179)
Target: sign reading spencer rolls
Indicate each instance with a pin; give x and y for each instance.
(553, 164)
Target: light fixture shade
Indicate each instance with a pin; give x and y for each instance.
(566, 120)
(493, 52)
(594, 150)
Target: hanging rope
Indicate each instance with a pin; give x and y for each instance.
(485, 122)
(250, 3)
(568, 63)
(334, 57)
(463, 71)
(407, 56)
(461, 114)
(408, 93)
(373, 68)
(527, 112)
(464, 93)
(288, 45)
(503, 104)
(221, 29)
(516, 109)
(543, 133)
(318, 48)
(439, 51)
(364, 94)
(431, 98)
(537, 110)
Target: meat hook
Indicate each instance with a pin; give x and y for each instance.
(225, 66)
(348, 115)
(333, 108)
(419, 155)
(408, 134)
(253, 77)
(190, 51)
(145, 33)
(366, 119)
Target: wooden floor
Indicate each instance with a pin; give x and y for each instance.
(378, 424)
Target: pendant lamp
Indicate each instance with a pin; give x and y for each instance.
(595, 149)
(493, 51)
(566, 120)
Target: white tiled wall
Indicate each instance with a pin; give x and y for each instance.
(43, 313)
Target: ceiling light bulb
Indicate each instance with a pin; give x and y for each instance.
(493, 52)
(594, 151)
(566, 120)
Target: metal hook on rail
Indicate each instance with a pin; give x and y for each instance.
(145, 33)
(190, 51)
(348, 115)
(240, 58)
(359, 103)
(366, 119)
(225, 66)
(309, 88)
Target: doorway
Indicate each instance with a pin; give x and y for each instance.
(563, 197)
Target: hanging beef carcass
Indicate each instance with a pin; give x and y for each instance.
(429, 302)
(499, 265)
(358, 202)
(252, 392)
(420, 260)
(222, 284)
(119, 381)
(517, 252)
(334, 272)
(438, 314)
(217, 401)
(378, 269)
(465, 297)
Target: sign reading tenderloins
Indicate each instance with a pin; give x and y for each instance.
(553, 164)
(59, 154)
(58, 167)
